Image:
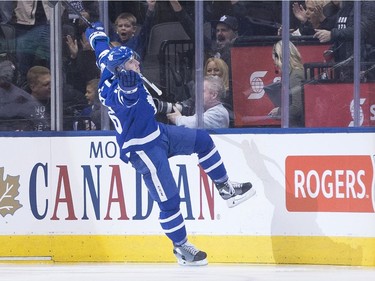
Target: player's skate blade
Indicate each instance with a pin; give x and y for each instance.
(243, 192)
(240, 198)
(235, 193)
(187, 254)
(194, 263)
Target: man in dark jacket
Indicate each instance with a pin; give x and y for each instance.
(342, 35)
(17, 107)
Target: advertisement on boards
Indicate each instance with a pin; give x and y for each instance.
(306, 184)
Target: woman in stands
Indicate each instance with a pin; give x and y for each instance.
(218, 67)
(296, 75)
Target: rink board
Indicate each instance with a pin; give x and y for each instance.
(220, 249)
(69, 199)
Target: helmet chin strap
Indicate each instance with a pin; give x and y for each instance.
(120, 67)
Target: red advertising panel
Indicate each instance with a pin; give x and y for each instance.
(331, 105)
(252, 68)
(335, 183)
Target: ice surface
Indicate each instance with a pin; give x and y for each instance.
(169, 272)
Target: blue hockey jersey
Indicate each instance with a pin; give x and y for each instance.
(132, 114)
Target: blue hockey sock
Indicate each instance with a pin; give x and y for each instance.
(171, 220)
(209, 157)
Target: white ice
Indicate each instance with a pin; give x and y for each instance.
(169, 272)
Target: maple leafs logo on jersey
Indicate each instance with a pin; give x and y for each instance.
(8, 193)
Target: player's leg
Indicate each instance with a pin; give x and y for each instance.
(210, 160)
(185, 141)
(173, 224)
(154, 166)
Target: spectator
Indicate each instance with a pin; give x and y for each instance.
(33, 35)
(342, 36)
(78, 60)
(70, 50)
(296, 76)
(90, 117)
(254, 17)
(226, 32)
(86, 61)
(215, 115)
(213, 67)
(126, 27)
(78, 57)
(39, 83)
(318, 14)
(218, 67)
(17, 107)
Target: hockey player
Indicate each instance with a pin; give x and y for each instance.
(147, 144)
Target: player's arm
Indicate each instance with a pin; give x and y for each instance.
(99, 41)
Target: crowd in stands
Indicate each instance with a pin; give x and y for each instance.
(25, 78)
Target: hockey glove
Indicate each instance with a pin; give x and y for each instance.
(128, 81)
(96, 33)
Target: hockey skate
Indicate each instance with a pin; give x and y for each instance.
(187, 254)
(235, 193)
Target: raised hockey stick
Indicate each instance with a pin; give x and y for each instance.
(152, 85)
(86, 21)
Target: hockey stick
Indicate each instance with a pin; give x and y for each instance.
(86, 21)
(152, 85)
